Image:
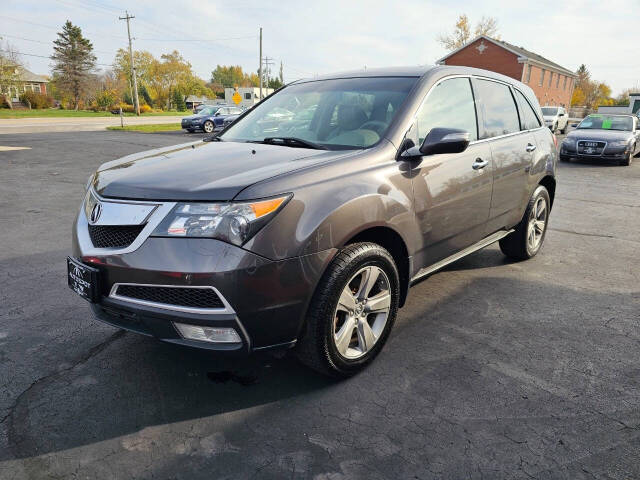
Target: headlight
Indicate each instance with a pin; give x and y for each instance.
(89, 182)
(618, 144)
(569, 142)
(230, 222)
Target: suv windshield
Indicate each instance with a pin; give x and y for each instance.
(335, 114)
(549, 111)
(607, 122)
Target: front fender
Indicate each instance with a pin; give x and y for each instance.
(349, 198)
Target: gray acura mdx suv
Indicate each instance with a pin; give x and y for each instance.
(304, 223)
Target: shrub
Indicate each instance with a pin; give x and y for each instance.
(145, 109)
(36, 99)
(106, 99)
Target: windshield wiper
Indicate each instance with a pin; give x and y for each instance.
(292, 142)
(212, 138)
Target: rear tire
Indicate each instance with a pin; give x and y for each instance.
(208, 126)
(527, 239)
(352, 311)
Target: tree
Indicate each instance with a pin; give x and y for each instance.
(461, 34)
(178, 100)
(588, 92)
(73, 62)
(233, 76)
(10, 65)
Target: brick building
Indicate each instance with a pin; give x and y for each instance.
(552, 83)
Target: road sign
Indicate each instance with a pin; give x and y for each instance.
(237, 98)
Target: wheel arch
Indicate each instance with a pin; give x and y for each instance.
(391, 241)
(549, 183)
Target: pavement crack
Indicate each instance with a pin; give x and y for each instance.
(585, 234)
(92, 352)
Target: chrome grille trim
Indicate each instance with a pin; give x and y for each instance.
(227, 309)
(160, 211)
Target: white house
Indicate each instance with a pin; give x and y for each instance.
(633, 107)
(250, 95)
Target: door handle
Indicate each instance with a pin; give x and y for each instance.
(479, 163)
(530, 147)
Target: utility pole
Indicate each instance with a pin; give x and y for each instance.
(268, 62)
(128, 17)
(260, 69)
(281, 73)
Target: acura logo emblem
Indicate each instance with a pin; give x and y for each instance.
(95, 213)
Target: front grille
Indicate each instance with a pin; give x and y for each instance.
(590, 147)
(179, 296)
(113, 236)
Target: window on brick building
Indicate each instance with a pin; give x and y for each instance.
(527, 78)
(550, 79)
(557, 80)
(542, 77)
(565, 84)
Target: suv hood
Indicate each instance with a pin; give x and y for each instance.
(203, 171)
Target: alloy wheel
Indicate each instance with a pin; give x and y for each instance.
(362, 312)
(208, 127)
(537, 224)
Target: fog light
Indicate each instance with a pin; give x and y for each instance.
(208, 334)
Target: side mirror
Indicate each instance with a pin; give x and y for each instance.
(441, 140)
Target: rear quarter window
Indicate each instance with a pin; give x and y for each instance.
(500, 113)
(528, 118)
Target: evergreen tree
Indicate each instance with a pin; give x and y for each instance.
(178, 101)
(73, 62)
(144, 93)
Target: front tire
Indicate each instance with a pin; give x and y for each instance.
(627, 161)
(527, 239)
(352, 311)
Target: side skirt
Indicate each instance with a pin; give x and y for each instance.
(462, 253)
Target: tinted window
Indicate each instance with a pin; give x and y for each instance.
(528, 118)
(500, 114)
(337, 114)
(450, 105)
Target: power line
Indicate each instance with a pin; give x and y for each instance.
(195, 39)
(45, 43)
(45, 56)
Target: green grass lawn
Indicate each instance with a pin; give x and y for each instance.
(55, 112)
(159, 127)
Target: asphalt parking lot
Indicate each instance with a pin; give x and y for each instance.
(493, 370)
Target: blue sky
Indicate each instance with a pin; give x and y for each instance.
(320, 37)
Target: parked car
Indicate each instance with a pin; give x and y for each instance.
(603, 136)
(210, 119)
(253, 240)
(556, 118)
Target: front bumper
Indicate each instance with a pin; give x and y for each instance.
(267, 299)
(609, 153)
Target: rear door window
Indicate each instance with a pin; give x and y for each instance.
(450, 104)
(528, 118)
(500, 113)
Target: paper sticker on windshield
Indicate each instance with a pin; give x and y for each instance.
(606, 123)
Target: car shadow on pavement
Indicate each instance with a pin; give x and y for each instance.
(466, 352)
